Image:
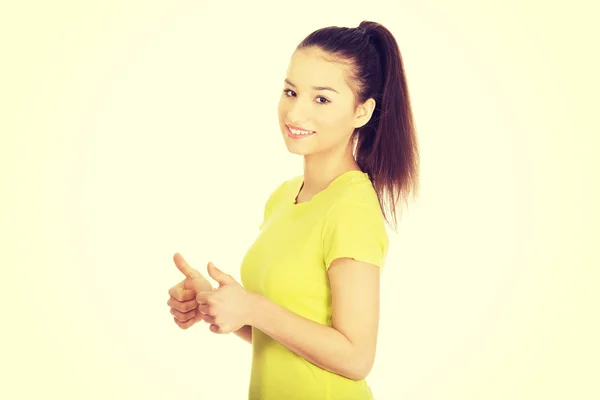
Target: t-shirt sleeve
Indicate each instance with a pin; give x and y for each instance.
(355, 229)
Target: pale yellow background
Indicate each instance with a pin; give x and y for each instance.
(131, 130)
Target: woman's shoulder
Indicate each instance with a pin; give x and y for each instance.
(287, 184)
(282, 188)
(359, 190)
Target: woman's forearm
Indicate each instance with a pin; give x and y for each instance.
(245, 332)
(321, 345)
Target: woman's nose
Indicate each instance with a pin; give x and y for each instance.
(297, 114)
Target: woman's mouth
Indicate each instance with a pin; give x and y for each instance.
(297, 134)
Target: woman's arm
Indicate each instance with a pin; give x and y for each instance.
(347, 348)
(245, 332)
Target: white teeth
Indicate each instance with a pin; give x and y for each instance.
(296, 132)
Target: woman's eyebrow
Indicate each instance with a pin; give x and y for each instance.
(314, 87)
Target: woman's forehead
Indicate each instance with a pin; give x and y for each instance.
(310, 69)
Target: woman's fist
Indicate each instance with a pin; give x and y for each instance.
(184, 306)
(182, 297)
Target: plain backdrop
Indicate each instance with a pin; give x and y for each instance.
(131, 130)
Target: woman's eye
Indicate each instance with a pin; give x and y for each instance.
(287, 91)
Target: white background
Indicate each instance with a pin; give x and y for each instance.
(131, 130)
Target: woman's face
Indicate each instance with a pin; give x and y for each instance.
(307, 104)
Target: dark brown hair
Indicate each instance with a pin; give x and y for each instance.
(386, 147)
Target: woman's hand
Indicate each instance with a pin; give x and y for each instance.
(227, 308)
(182, 297)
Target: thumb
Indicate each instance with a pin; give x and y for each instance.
(219, 275)
(185, 268)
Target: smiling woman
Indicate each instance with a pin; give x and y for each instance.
(313, 273)
(309, 298)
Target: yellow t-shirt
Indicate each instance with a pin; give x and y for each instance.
(288, 265)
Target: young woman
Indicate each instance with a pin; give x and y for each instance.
(309, 304)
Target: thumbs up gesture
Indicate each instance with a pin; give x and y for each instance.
(182, 297)
(227, 308)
